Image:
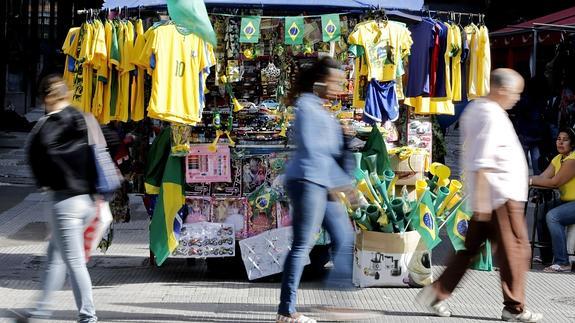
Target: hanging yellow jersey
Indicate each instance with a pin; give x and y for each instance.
(126, 45)
(180, 64)
(137, 91)
(82, 84)
(385, 45)
(69, 49)
(455, 54)
(100, 65)
(473, 78)
(114, 63)
(360, 82)
(483, 62)
(104, 116)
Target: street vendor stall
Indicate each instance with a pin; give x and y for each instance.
(215, 100)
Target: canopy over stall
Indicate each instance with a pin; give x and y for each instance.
(411, 5)
(518, 45)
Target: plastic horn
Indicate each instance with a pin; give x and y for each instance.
(397, 205)
(453, 202)
(439, 172)
(386, 201)
(384, 224)
(343, 199)
(391, 188)
(371, 162)
(445, 182)
(362, 201)
(213, 146)
(363, 181)
(237, 105)
(373, 212)
(362, 220)
(382, 190)
(441, 195)
(231, 143)
(420, 187)
(454, 187)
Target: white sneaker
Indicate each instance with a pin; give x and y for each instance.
(294, 318)
(428, 298)
(525, 316)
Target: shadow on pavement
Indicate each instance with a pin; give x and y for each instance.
(117, 316)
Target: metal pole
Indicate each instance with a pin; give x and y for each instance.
(534, 54)
(3, 20)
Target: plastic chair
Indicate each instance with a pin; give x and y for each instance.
(544, 195)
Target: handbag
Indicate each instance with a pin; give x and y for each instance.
(94, 230)
(109, 178)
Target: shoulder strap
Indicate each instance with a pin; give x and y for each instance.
(35, 130)
(95, 135)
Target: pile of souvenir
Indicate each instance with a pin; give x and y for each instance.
(381, 209)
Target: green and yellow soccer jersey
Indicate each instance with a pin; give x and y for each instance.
(126, 45)
(82, 84)
(180, 64)
(137, 86)
(114, 63)
(69, 49)
(100, 66)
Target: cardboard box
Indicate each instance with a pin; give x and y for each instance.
(409, 169)
(391, 260)
(265, 254)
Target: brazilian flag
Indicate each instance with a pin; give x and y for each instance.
(294, 30)
(167, 218)
(250, 30)
(424, 221)
(457, 225)
(330, 27)
(193, 16)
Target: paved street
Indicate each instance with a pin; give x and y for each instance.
(128, 289)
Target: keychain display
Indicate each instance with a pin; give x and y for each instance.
(206, 240)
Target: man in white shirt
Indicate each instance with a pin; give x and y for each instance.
(496, 177)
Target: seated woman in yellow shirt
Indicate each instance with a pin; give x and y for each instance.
(560, 174)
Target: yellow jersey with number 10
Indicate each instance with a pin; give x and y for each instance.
(180, 64)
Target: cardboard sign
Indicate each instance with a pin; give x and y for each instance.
(391, 259)
(204, 166)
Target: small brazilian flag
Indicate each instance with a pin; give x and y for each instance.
(330, 27)
(457, 225)
(424, 221)
(250, 30)
(294, 30)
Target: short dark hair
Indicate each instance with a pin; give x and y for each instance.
(318, 71)
(52, 86)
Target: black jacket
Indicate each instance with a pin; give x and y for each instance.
(59, 154)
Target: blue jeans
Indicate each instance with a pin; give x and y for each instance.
(311, 208)
(66, 254)
(532, 155)
(557, 221)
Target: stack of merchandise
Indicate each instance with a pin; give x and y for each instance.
(397, 232)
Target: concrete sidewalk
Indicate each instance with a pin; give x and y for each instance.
(126, 288)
